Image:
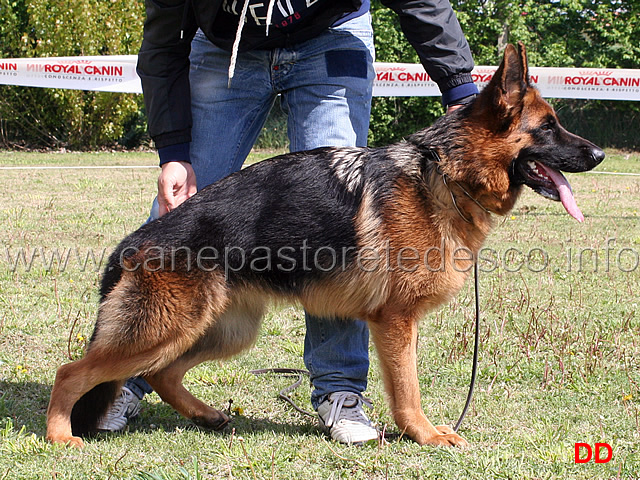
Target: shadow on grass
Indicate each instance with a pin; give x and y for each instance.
(161, 416)
(25, 403)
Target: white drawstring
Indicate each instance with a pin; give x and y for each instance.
(236, 42)
(269, 14)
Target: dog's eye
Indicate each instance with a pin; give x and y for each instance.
(549, 125)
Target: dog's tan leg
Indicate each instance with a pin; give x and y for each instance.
(73, 380)
(168, 384)
(232, 332)
(67, 389)
(395, 338)
(136, 332)
(98, 366)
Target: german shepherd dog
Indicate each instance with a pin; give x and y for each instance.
(369, 233)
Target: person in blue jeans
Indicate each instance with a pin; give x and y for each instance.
(211, 71)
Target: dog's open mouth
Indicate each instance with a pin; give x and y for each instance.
(549, 183)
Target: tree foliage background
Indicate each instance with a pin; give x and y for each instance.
(557, 33)
(42, 117)
(573, 33)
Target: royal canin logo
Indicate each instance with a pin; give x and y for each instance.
(595, 73)
(393, 69)
(75, 62)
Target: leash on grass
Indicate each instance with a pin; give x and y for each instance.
(474, 368)
(435, 157)
(476, 342)
(282, 394)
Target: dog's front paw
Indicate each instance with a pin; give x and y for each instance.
(445, 429)
(445, 439)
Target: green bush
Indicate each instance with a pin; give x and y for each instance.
(69, 118)
(606, 123)
(560, 33)
(394, 117)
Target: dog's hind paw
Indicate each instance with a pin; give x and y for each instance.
(214, 419)
(67, 441)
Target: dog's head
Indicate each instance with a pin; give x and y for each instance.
(551, 149)
(521, 140)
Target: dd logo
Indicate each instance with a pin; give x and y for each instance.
(593, 453)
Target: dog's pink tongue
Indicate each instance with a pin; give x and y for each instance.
(566, 195)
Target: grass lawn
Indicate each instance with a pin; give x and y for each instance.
(559, 355)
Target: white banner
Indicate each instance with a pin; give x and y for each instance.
(118, 74)
(408, 79)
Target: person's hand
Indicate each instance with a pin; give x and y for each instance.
(176, 183)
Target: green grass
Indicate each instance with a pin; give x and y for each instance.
(559, 358)
(76, 159)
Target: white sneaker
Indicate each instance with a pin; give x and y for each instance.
(341, 415)
(126, 407)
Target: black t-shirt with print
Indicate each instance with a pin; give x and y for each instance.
(287, 18)
(285, 13)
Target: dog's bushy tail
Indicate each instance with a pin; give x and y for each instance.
(92, 406)
(111, 274)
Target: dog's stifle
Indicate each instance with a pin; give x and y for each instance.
(373, 234)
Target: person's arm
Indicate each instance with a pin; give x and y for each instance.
(432, 28)
(163, 67)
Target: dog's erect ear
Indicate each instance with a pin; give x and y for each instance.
(510, 81)
(514, 74)
(522, 53)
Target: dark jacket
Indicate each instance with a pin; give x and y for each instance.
(163, 62)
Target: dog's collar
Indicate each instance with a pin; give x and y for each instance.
(435, 158)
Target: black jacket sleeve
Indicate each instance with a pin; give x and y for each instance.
(432, 28)
(163, 67)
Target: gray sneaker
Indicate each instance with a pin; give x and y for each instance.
(126, 407)
(341, 416)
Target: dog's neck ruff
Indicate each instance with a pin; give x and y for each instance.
(436, 159)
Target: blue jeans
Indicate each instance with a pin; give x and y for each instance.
(325, 86)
